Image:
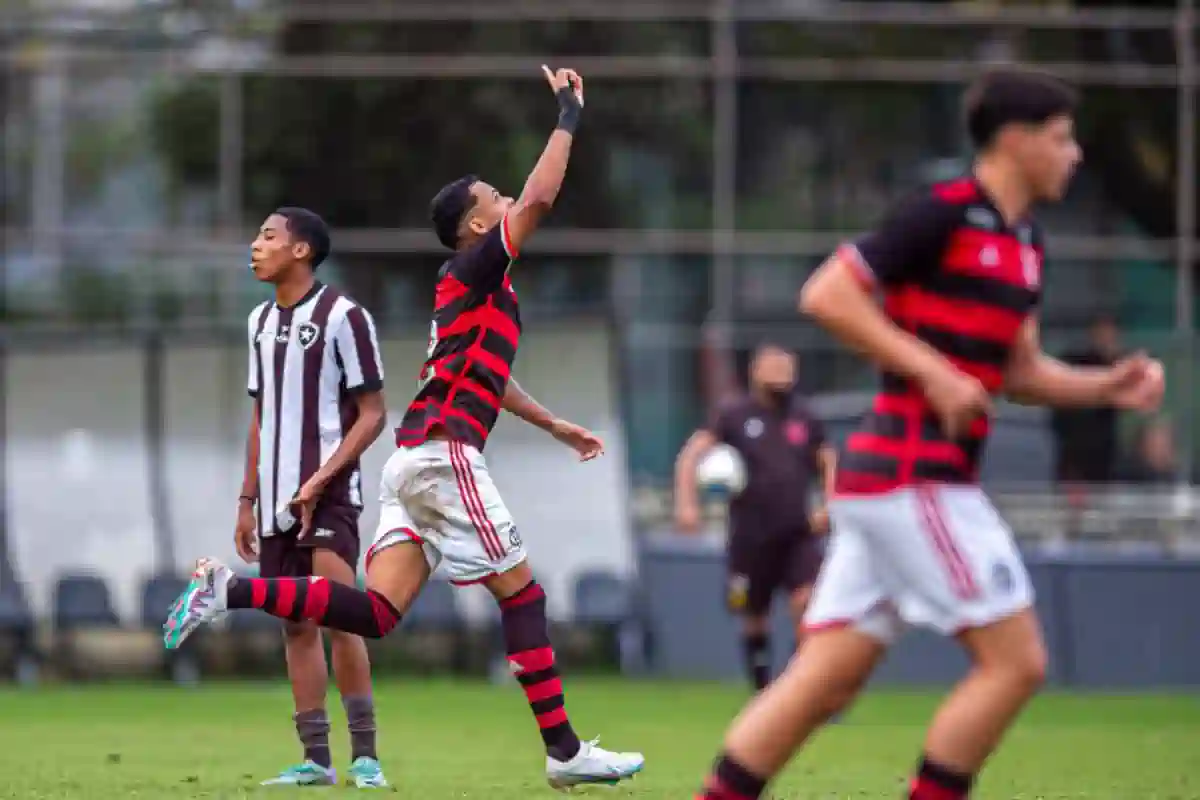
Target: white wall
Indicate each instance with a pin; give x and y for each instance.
(79, 490)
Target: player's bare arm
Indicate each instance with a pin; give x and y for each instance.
(1035, 378)
(835, 297)
(827, 463)
(245, 537)
(687, 499)
(372, 418)
(520, 404)
(545, 181)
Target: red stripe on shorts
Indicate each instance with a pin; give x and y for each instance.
(472, 502)
(476, 509)
(943, 541)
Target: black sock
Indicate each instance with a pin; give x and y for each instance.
(729, 780)
(935, 782)
(527, 640)
(313, 729)
(756, 647)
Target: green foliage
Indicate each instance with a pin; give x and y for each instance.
(371, 152)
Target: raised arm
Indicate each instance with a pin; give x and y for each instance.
(542, 186)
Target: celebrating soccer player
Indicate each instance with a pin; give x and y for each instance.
(772, 540)
(439, 501)
(317, 381)
(914, 538)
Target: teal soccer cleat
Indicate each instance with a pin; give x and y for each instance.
(367, 774)
(310, 773)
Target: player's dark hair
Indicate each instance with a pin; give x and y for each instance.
(308, 227)
(448, 208)
(1014, 95)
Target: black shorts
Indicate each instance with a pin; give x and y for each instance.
(759, 565)
(334, 528)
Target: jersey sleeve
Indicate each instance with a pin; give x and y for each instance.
(483, 266)
(908, 243)
(253, 379)
(358, 349)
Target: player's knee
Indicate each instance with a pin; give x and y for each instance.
(1029, 668)
(346, 641)
(1024, 667)
(298, 633)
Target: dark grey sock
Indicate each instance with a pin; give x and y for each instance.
(313, 729)
(360, 719)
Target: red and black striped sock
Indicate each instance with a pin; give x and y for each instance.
(527, 641)
(935, 782)
(328, 603)
(729, 780)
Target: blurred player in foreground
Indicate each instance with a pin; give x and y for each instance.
(317, 383)
(915, 540)
(439, 501)
(772, 541)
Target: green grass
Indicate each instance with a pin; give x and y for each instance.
(443, 740)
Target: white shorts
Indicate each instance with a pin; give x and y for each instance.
(440, 495)
(937, 556)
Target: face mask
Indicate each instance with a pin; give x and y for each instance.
(779, 394)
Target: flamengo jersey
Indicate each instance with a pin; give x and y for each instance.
(957, 277)
(472, 345)
(307, 362)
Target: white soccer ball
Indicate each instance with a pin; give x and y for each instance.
(722, 469)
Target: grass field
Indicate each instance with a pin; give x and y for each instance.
(442, 740)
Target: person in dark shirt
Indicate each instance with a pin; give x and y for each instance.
(1086, 438)
(773, 533)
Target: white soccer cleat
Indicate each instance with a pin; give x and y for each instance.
(591, 765)
(204, 600)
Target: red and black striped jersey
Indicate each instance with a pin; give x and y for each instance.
(472, 345)
(955, 275)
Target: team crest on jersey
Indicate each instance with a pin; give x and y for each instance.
(1032, 267)
(797, 432)
(307, 334)
(754, 427)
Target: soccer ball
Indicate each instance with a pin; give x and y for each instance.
(722, 469)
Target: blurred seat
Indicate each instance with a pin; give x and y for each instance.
(19, 658)
(159, 593)
(435, 607)
(606, 630)
(601, 598)
(83, 601)
(433, 633)
(88, 639)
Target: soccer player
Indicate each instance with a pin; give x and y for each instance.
(439, 503)
(316, 380)
(772, 540)
(914, 538)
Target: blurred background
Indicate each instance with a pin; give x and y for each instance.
(729, 145)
